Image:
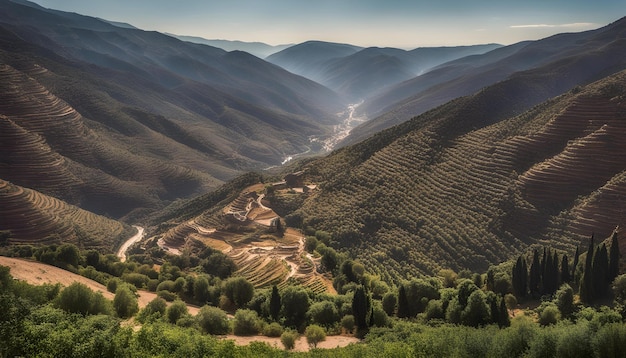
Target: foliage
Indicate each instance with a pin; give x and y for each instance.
(314, 334)
(212, 320)
(288, 339)
(295, 305)
(177, 310)
(324, 313)
(125, 302)
(238, 290)
(246, 322)
(78, 298)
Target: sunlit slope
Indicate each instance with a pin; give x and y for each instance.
(457, 188)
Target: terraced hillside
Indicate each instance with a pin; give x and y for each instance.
(34, 218)
(245, 230)
(46, 145)
(437, 192)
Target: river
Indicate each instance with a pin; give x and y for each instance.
(340, 131)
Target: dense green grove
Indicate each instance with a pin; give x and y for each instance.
(453, 314)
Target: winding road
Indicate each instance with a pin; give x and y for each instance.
(121, 253)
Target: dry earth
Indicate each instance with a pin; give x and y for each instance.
(301, 344)
(38, 273)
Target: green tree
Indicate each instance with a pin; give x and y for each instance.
(361, 306)
(534, 277)
(212, 320)
(68, 254)
(565, 270)
(389, 302)
(565, 300)
(403, 303)
(275, 303)
(503, 319)
(78, 298)
(586, 290)
(288, 339)
(549, 315)
(347, 323)
(614, 255)
(238, 290)
(125, 302)
(477, 312)
(519, 277)
(201, 289)
(156, 307)
(177, 310)
(295, 305)
(246, 322)
(324, 313)
(600, 272)
(314, 334)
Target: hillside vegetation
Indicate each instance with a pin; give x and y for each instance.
(28, 217)
(462, 187)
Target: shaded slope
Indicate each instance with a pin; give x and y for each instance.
(569, 59)
(435, 192)
(35, 218)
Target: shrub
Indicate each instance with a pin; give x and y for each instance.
(125, 302)
(213, 320)
(549, 315)
(176, 311)
(167, 295)
(246, 322)
(288, 339)
(389, 301)
(324, 313)
(273, 330)
(347, 323)
(78, 298)
(156, 307)
(238, 290)
(314, 334)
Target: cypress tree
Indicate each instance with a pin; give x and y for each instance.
(576, 254)
(614, 258)
(534, 280)
(403, 303)
(504, 320)
(519, 277)
(565, 275)
(495, 312)
(360, 308)
(586, 290)
(600, 272)
(275, 303)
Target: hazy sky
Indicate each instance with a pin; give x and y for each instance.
(397, 23)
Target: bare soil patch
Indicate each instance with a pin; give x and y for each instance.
(37, 273)
(301, 344)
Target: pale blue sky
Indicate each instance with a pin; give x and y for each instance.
(396, 23)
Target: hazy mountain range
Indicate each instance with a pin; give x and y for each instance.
(470, 154)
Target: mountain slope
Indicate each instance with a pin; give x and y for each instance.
(359, 73)
(572, 59)
(462, 187)
(35, 218)
(258, 49)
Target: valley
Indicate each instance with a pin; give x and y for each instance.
(435, 201)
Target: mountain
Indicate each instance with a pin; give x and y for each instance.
(569, 59)
(359, 73)
(34, 218)
(309, 58)
(469, 184)
(121, 121)
(258, 49)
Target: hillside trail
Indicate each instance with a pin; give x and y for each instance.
(121, 253)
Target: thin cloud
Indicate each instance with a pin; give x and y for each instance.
(534, 26)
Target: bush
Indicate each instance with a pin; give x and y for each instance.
(156, 308)
(347, 323)
(273, 330)
(213, 320)
(167, 295)
(314, 334)
(176, 311)
(136, 279)
(324, 313)
(549, 315)
(238, 290)
(246, 322)
(288, 339)
(389, 301)
(125, 302)
(78, 298)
